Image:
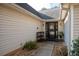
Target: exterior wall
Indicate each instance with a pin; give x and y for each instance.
(76, 22)
(16, 28)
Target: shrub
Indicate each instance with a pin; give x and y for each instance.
(75, 50)
(30, 45)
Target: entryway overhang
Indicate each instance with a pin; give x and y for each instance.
(64, 10)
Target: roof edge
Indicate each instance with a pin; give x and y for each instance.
(25, 11)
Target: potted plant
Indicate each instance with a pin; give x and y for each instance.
(61, 34)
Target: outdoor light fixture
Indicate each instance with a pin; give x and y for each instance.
(37, 27)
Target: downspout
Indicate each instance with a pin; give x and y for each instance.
(44, 29)
(61, 12)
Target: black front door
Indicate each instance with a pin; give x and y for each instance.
(51, 30)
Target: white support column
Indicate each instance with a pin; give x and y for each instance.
(72, 18)
(45, 30)
(71, 28)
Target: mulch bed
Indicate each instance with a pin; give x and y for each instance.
(21, 52)
(59, 49)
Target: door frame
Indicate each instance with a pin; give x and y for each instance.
(47, 31)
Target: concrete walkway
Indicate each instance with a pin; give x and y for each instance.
(45, 49)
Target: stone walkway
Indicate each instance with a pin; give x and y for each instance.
(44, 50)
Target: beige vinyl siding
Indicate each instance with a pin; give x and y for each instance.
(16, 28)
(76, 22)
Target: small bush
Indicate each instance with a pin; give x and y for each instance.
(30, 45)
(75, 51)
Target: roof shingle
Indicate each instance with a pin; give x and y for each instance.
(32, 10)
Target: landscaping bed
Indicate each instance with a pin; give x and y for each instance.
(20, 52)
(59, 49)
(24, 52)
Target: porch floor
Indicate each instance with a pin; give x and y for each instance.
(49, 48)
(45, 49)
